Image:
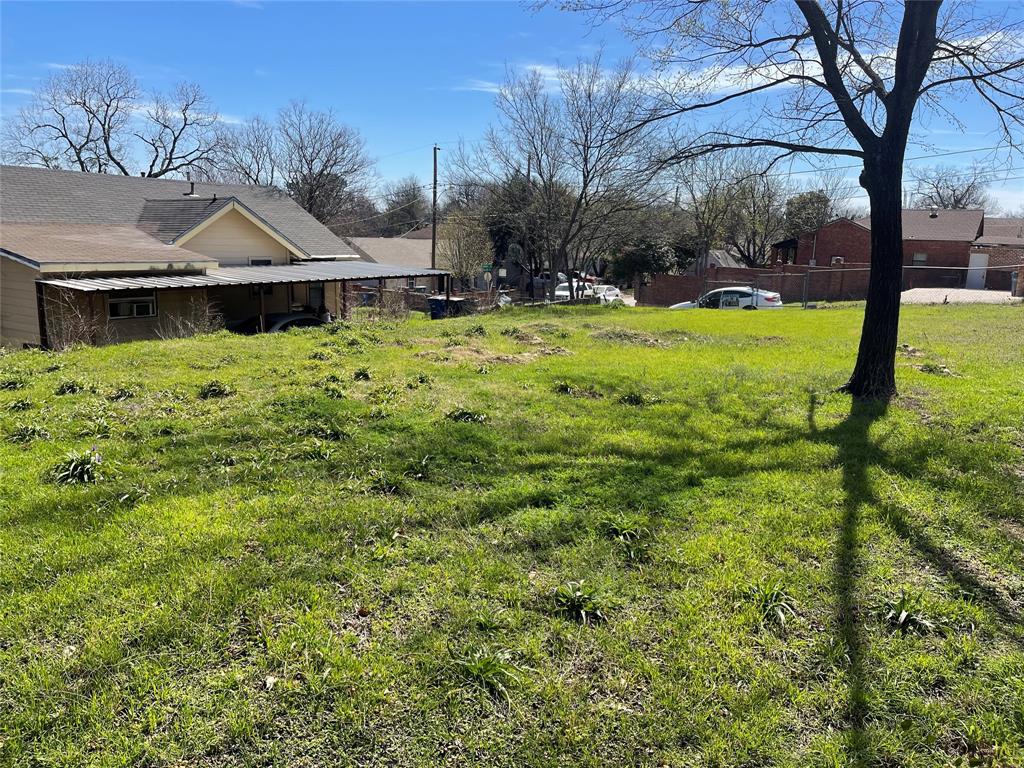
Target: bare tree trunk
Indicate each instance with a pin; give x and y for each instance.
(874, 375)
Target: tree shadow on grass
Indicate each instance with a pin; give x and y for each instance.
(856, 453)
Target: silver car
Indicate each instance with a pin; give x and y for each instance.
(735, 297)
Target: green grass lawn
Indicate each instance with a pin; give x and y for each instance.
(562, 537)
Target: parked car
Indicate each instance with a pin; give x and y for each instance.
(608, 294)
(582, 290)
(278, 321)
(736, 297)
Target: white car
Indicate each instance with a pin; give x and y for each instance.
(583, 291)
(607, 293)
(737, 297)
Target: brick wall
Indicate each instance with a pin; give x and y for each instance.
(789, 280)
(1008, 257)
(841, 238)
(852, 243)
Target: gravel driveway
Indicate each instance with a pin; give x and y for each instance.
(955, 296)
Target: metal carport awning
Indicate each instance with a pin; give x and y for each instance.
(307, 272)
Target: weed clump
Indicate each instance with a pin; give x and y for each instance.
(16, 406)
(214, 389)
(630, 533)
(11, 383)
(638, 399)
(121, 394)
(326, 430)
(588, 391)
(69, 387)
(77, 468)
(466, 416)
(576, 601)
(334, 391)
(904, 615)
(26, 433)
(773, 604)
(361, 374)
(491, 671)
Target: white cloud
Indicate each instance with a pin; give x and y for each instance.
(57, 65)
(18, 91)
(479, 86)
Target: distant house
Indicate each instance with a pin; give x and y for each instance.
(123, 258)
(938, 247)
(408, 252)
(411, 251)
(718, 257)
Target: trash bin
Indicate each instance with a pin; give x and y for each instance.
(441, 307)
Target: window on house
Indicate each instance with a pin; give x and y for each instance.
(260, 262)
(131, 304)
(920, 259)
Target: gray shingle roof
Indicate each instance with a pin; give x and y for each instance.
(999, 231)
(92, 244)
(951, 225)
(166, 219)
(393, 250)
(44, 196)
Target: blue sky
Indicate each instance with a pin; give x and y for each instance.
(405, 74)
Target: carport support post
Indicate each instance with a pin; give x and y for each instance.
(344, 300)
(447, 294)
(380, 296)
(263, 311)
(44, 341)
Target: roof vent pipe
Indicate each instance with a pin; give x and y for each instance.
(935, 212)
(191, 190)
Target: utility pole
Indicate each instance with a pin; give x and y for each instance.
(433, 216)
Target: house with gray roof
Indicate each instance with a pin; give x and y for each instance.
(941, 248)
(100, 258)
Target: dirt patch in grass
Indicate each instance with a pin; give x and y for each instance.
(936, 369)
(908, 351)
(617, 335)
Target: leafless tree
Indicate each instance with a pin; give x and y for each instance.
(91, 117)
(248, 153)
(178, 133)
(846, 78)
(950, 187)
(582, 166)
(706, 192)
(77, 119)
(406, 207)
(323, 162)
(757, 215)
(463, 246)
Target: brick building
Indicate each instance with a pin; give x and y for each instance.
(932, 239)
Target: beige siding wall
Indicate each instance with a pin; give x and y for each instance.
(233, 240)
(178, 313)
(19, 315)
(73, 317)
